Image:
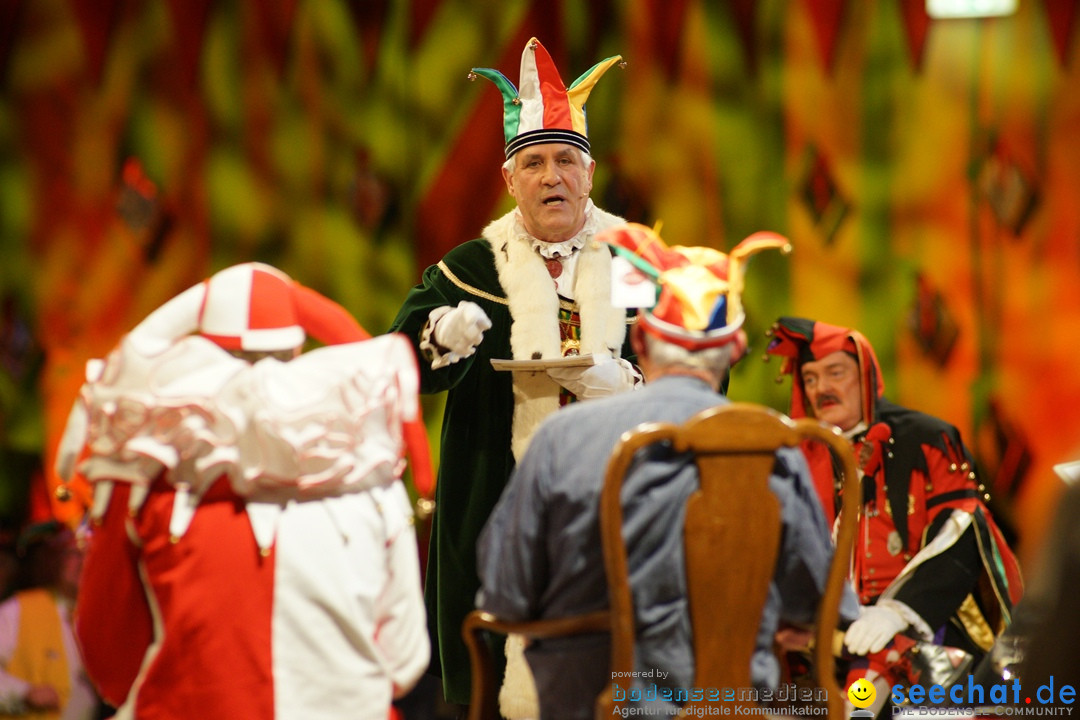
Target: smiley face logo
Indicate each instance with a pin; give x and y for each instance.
(861, 693)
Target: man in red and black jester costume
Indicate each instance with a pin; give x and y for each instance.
(930, 563)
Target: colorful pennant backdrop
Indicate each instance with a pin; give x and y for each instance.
(925, 171)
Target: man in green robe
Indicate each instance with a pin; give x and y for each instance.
(534, 286)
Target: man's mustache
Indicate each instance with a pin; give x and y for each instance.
(822, 399)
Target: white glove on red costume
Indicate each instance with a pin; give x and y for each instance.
(455, 331)
(607, 377)
(876, 626)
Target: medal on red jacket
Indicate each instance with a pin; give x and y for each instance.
(893, 544)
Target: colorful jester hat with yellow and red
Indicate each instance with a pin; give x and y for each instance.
(694, 294)
(543, 110)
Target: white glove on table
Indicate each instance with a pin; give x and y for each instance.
(456, 331)
(876, 626)
(607, 377)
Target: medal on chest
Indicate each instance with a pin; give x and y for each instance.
(554, 267)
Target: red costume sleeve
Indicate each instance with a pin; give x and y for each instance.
(325, 320)
(112, 617)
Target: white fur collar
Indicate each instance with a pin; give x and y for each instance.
(534, 309)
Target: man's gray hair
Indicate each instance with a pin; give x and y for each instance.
(663, 354)
(586, 159)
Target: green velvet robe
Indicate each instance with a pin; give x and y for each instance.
(487, 418)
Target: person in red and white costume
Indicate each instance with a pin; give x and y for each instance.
(252, 551)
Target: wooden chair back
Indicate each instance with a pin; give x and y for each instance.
(731, 539)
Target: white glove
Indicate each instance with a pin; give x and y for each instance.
(460, 329)
(607, 377)
(876, 626)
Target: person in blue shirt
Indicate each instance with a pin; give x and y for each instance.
(540, 554)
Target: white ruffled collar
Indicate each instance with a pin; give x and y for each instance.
(559, 250)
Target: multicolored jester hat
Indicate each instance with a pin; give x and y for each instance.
(689, 296)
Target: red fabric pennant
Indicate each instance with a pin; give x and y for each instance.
(455, 206)
(600, 16)
(916, 27)
(1061, 16)
(423, 11)
(189, 19)
(96, 20)
(369, 17)
(827, 16)
(744, 13)
(667, 19)
(10, 14)
(274, 19)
